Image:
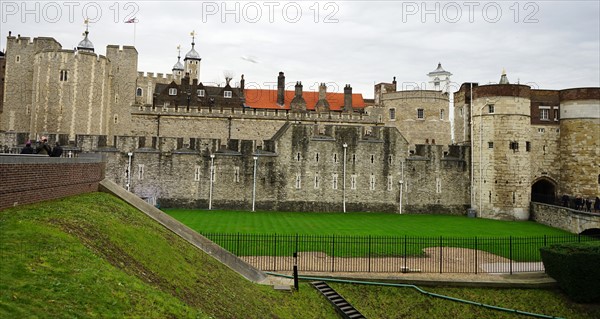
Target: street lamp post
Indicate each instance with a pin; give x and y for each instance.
(481, 156)
(254, 184)
(130, 154)
(344, 177)
(212, 172)
(401, 182)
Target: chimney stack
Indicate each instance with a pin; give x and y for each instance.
(348, 99)
(242, 84)
(281, 89)
(322, 91)
(298, 89)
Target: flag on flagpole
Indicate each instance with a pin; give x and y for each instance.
(132, 20)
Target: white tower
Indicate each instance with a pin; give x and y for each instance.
(178, 67)
(439, 79)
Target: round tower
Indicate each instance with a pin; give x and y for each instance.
(580, 142)
(501, 157)
(192, 61)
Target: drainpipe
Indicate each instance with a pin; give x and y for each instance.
(254, 184)
(401, 186)
(344, 182)
(212, 172)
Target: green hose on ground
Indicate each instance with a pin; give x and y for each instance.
(346, 281)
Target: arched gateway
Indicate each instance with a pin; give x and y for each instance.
(543, 191)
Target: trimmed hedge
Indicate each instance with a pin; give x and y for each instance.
(576, 268)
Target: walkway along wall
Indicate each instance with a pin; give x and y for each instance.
(27, 179)
(571, 220)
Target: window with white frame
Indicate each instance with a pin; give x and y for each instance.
(491, 109)
(64, 75)
(227, 94)
(541, 130)
(197, 173)
(544, 113)
(420, 114)
(236, 174)
(298, 181)
(200, 93)
(172, 91)
(334, 181)
(372, 182)
(390, 181)
(352, 181)
(140, 172)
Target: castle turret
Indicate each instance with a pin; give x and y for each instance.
(86, 44)
(439, 79)
(501, 151)
(503, 78)
(192, 60)
(178, 67)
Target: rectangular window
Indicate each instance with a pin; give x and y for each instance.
(200, 93)
(334, 181)
(197, 171)
(527, 146)
(393, 114)
(491, 108)
(514, 146)
(544, 114)
(64, 75)
(490, 144)
(541, 130)
(298, 181)
(372, 182)
(390, 182)
(140, 172)
(316, 181)
(441, 114)
(172, 91)
(555, 114)
(227, 94)
(352, 181)
(335, 158)
(420, 113)
(236, 174)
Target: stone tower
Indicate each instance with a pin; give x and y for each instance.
(439, 79)
(580, 142)
(501, 158)
(192, 61)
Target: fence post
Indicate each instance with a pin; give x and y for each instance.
(332, 252)
(476, 263)
(237, 248)
(441, 252)
(404, 254)
(369, 266)
(510, 253)
(275, 252)
(545, 241)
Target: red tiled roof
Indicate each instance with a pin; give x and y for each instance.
(267, 99)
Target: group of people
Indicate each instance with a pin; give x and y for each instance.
(579, 203)
(43, 148)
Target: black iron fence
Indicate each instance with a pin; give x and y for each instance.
(335, 253)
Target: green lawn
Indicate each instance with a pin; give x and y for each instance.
(374, 224)
(367, 234)
(94, 256)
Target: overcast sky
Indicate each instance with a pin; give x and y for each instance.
(546, 44)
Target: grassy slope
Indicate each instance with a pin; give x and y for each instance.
(95, 256)
(392, 302)
(355, 224)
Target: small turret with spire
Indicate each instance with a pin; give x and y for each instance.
(192, 60)
(503, 78)
(86, 44)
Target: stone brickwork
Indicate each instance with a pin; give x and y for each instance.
(422, 116)
(568, 219)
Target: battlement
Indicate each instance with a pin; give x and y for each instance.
(151, 76)
(573, 94)
(121, 49)
(243, 113)
(493, 90)
(415, 94)
(73, 54)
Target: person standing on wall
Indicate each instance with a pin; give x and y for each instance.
(56, 151)
(27, 149)
(43, 148)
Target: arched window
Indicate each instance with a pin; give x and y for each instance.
(138, 92)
